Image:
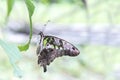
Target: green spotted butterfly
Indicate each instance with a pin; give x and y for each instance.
(51, 47)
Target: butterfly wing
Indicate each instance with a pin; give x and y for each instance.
(53, 47)
(60, 44)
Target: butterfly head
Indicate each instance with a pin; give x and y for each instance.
(41, 34)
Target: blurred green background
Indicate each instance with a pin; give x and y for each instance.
(92, 26)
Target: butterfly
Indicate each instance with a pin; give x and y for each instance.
(51, 47)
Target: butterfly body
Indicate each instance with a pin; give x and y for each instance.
(51, 47)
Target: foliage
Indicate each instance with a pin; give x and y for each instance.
(13, 51)
(13, 54)
(10, 4)
(30, 8)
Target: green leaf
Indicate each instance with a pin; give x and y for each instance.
(14, 55)
(10, 4)
(24, 47)
(30, 8)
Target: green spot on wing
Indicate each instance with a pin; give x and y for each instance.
(45, 41)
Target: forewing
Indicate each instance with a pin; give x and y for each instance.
(60, 44)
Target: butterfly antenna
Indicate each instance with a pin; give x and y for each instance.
(45, 26)
(43, 29)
